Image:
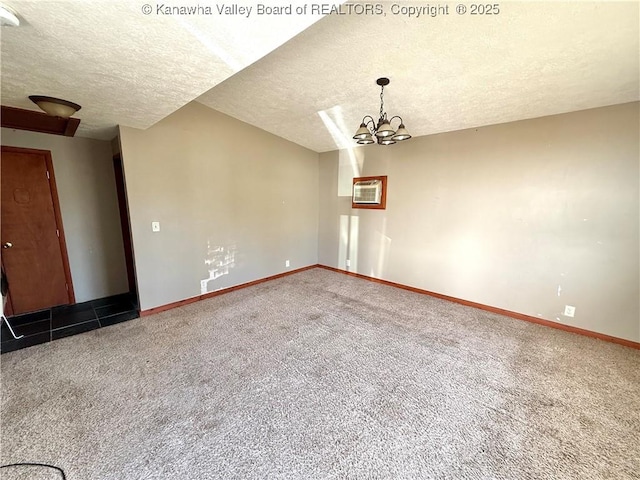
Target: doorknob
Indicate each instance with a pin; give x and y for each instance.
(7, 245)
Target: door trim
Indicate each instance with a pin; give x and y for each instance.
(56, 212)
(123, 208)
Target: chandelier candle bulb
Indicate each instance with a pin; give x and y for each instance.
(382, 130)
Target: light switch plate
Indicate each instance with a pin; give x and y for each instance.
(155, 226)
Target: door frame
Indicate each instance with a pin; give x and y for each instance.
(123, 208)
(56, 212)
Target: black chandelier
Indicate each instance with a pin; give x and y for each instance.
(384, 133)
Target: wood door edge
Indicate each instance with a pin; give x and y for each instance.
(58, 216)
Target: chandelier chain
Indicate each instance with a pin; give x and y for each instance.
(382, 101)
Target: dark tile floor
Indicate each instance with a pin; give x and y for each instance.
(63, 321)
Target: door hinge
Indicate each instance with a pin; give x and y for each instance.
(58, 232)
(48, 175)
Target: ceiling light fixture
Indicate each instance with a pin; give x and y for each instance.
(55, 106)
(8, 17)
(383, 131)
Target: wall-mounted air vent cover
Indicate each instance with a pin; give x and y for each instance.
(369, 192)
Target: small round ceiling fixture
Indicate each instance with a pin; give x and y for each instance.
(8, 18)
(56, 107)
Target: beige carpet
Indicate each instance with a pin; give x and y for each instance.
(323, 376)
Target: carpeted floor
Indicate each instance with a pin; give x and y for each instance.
(323, 376)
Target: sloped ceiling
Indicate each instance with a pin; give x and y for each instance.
(448, 72)
(128, 65)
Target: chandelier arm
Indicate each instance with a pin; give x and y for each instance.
(396, 116)
(371, 121)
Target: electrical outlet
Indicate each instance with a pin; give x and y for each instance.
(569, 311)
(155, 226)
(348, 263)
(286, 263)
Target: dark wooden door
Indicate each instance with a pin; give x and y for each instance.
(33, 248)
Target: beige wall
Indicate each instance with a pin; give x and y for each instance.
(86, 189)
(527, 216)
(234, 203)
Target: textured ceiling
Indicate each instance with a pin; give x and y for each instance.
(125, 67)
(447, 72)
